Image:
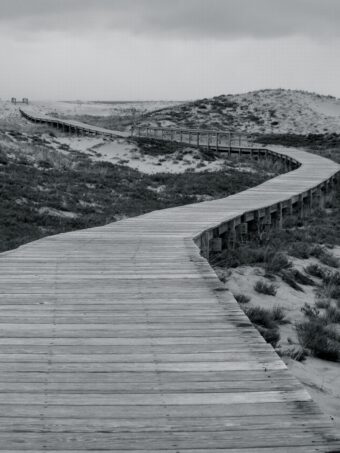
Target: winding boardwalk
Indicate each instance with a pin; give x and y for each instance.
(122, 339)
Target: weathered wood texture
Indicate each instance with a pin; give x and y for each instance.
(122, 339)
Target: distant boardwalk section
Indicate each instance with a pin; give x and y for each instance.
(122, 339)
(70, 126)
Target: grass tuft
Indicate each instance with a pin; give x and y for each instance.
(315, 270)
(289, 278)
(266, 322)
(296, 353)
(319, 339)
(242, 298)
(324, 256)
(265, 288)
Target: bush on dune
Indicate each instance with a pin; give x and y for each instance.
(320, 340)
(242, 298)
(265, 288)
(266, 322)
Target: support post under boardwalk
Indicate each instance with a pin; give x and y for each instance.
(290, 208)
(310, 201)
(279, 215)
(300, 207)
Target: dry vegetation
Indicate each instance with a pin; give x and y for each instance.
(262, 112)
(46, 191)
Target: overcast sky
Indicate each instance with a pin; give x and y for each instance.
(166, 49)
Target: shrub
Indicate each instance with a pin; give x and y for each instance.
(296, 353)
(329, 260)
(279, 315)
(332, 278)
(276, 262)
(310, 312)
(253, 253)
(241, 255)
(261, 317)
(319, 340)
(265, 288)
(271, 336)
(315, 270)
(332, 315)
(331, 281)
(331, 290)
(290, 222)
(266, 318)
(299, 250)
(324, 256)
(322, 303)
(265, 323)
(242, 298)
(302, 278)
(317, 251)
(288, 277)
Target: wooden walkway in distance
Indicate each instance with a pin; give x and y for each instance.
(122, 339)
(70, 125)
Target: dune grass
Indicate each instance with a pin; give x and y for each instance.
(267, 322)
(44, 192)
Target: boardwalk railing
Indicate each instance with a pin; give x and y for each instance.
(72, 127)
(122, 338)
(216, 139)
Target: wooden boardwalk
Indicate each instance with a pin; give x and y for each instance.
(70, 126)
(122, 339)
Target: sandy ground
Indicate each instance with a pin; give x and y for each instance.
(264, 111)
(321, 377)
(188, 159)
(123, 152)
